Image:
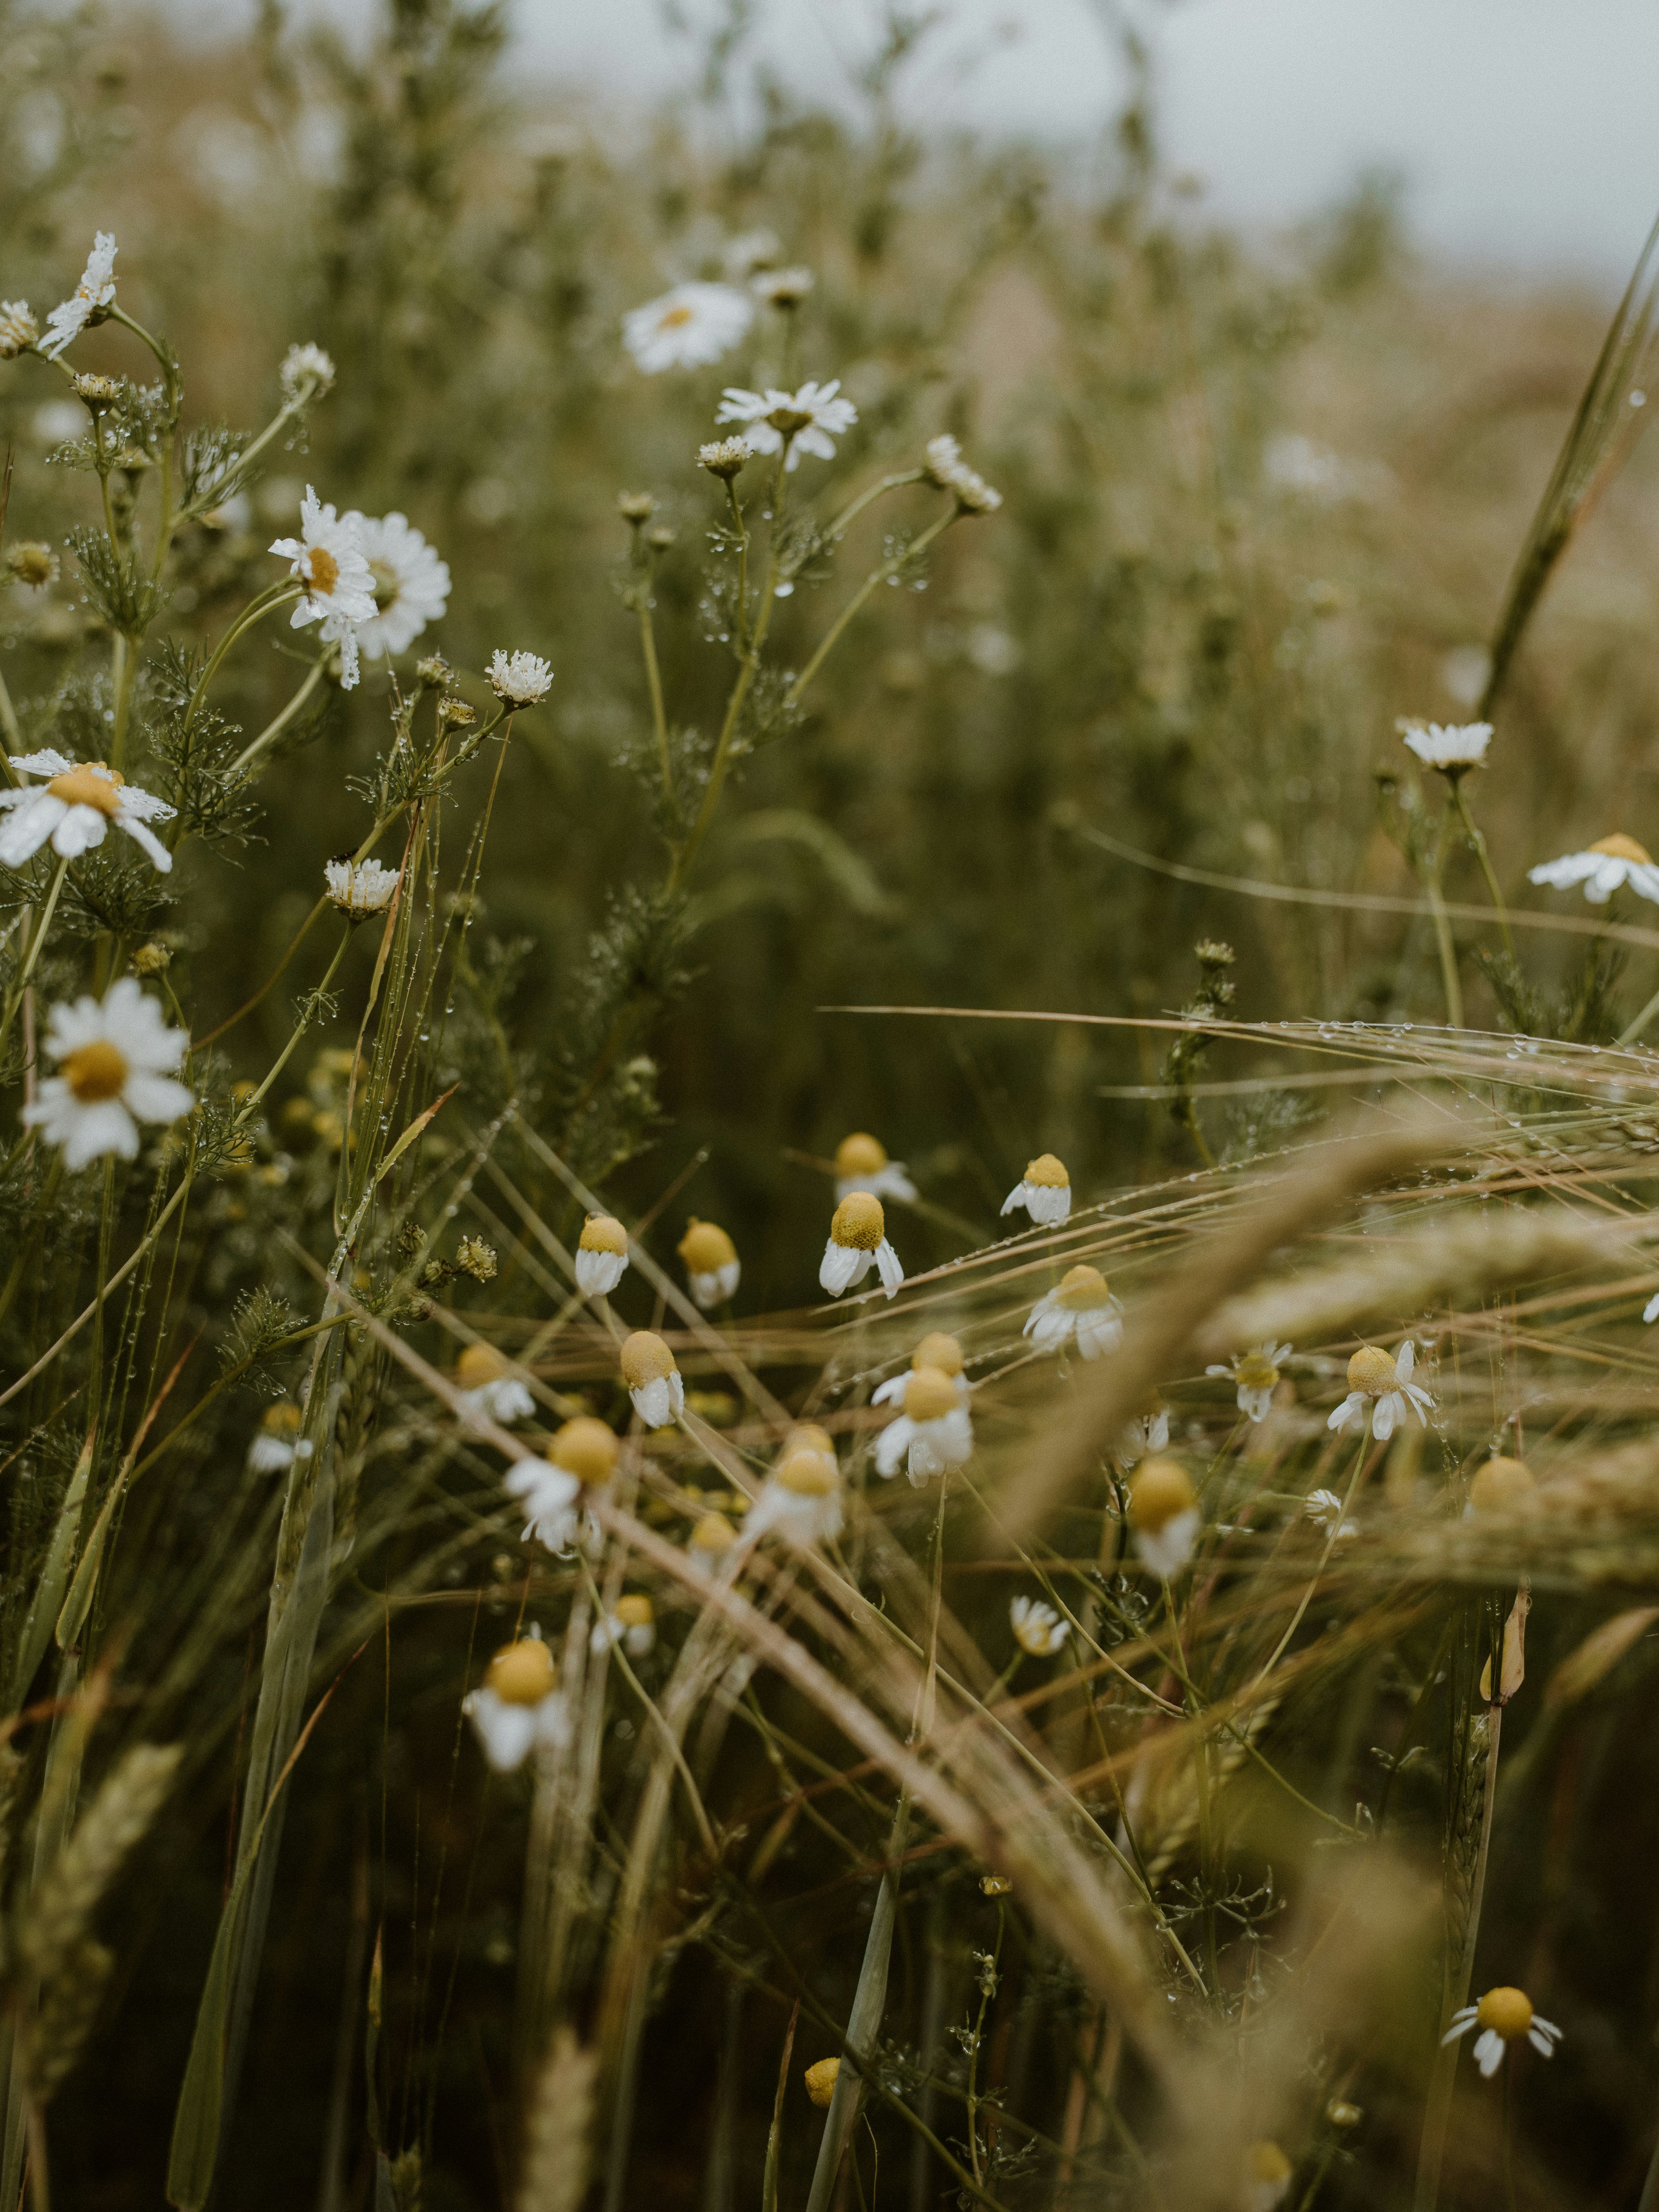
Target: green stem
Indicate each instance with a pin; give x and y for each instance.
(653, 678)
(890, 568)
(1481, 854)
(1442, 936)
(274, 728)
(275, 595)
(14, 996)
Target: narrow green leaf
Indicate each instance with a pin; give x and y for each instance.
(49, 1596)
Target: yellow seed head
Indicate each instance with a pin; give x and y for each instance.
(1372, 1370)
(1160, 1490)
(95, 1071)
(1621, 848)
(1048, 1172)
(810, 1438)
(860, 1154)
(1082, 1287)
(808, 1474)
(602, 1233)
(1253, 1372)
(479, 1364)
(522, 1674)
(585, 1448)
(635, 1611)
(706, 1248)
(645, 1358)
(1507, 2012)
(858, 1223)
(995, 1884)
(938, 1349)
(821, 2082)
(1265, 2161)
(928, 1395)
(322, 570)
(282, 1419)
(81, 786)
(713, 1533)
(1502, 1485)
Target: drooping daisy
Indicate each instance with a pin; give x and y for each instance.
(861, 1163)
(1045, 1191)
(114, 1071)
(934, 1433)
(1452, 747)
(804, 422)
(18, 329)
(633, 1624)
(1602, 868)
(410, 583)
(947, 469)
(601, 1255)
(687, 328)
(940, 1352)
(1164, 1516)
(800, 1499)
(712, 1540)
(1149, 1432)
(519, 1708)
(1080, 1309)
(711, 1265)
(88, 302)
(278, 1442)
(74, 807)
(581, 1459)
(857, 1242)
(1038, 1629)
(360, 888)
(653, 1379)
(489, 1388)
(1267, 2174)
(1382, 1388)
(327, 557)
(521, 679)
(1324, 1509)
(1502, 1485)
(1504, 2016)
(1256, 1374)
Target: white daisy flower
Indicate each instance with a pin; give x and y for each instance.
(410, 583)
(712, 1542)
(633, 1624)
(1504, 2016)
(712, 1267)
(1038, 1629)
(935, 1433)
(804, 422)
(1164, 1516)
(857, 1242)
(653, 1379)
(800, 1499)
(601, 1255)
(87, 304)
(582, 1457)
(940, 1352)
(115, 1069)
(1452, 747)
(861, 1163)
(1080, 1309)
(687, 328)
(329, 560)
(520, 1708)
(1602, 868)
(1324, 1509)
(946, 468)
(782, 287)
(1267, 2175)
(1045, 1191)
(521, 679)
(1148, 1432)
(360, 888)
(1256, 1374)
(74, 807)
(18, 329)
(306, 373)
(1382, 1388)
(278, 1442)
(489, 1390)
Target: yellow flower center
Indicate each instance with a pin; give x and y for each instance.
(1621, 848)
(601, 1232)
(1502, 1485)
(1253, 1372)
(860, 1154)
(387, 583)
(676, 318)
(322, 571)
(96, 1071)
(635, 1611)
(479, 1364)
(585, 1448)
(821, 2081)
(282, 1419)
(928, 1395)
(810, 1438)
(1372, 1370)
(645, 1358)
(86, 787)
(1082, 1287)
(1507, 2012)
(1048, 1171)
(1158, 1492)
(808, 1474)
(1265, 2161)
(938, 1351)
(522, 1674)
(859, 1224)
(713, 1533)
(706, 1248)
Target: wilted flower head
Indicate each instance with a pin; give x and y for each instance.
(306, 373)
(801, 1498)
(711, 1265)
(32, 564)
(936, 1351)
(653, 1379)
(687, 328)
(1381, 1386)
(18, 329)
(90, 300)
(1324, 1509)
(1038, 1629)
(601, 1255)
(1602, 868)
(861, 1163)
(724, 457)
(857, 1242)
(522, 679)
(360, 888)
(1452, 747)
(1044, 1190)
(115, 1064)
(73, 807)
(1079, 1310)
(1147, 1431)
(1164, 1515)
(946, 468)
(474, 1258)
(804, 422)
(1504, 2016)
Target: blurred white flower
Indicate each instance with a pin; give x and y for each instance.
(946, 468)
(1602, 868)
(115, 1070)
(1267, 2174)
(687, 328)
(522, 679)
(861, 1163)
(489, 1390)
(653, 1380)
(18, 329)
(1045, 1191)
(1383, 1387)
(601, 1255)
(94, 294)
(781, 287)
(519, 1708)
(1164, 1516)
(74, 807)
(1079, 1309)
(1147, 1433)
(1451, 747)
(306, 373)
(799, 1499)
(361, 888)
(805, 422)
(1324, 1509)
(857, 1242)
(1256, 1374)
(712, 1267)
(936, 1351)
(328, 559)
(1038, 1629)
(582, 1458)
(633, 1624)
(934, 1433)
(278, 1443)
(409, 582)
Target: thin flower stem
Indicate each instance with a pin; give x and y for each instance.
(1442, 936)
(1479, 843)
(246, 1110)
(274, 728)
(1634, 1029)
(742, 529)
(837, 526)
(12, 731)
(14, 996)
(879, 575)
(653, 679)
(274, 596)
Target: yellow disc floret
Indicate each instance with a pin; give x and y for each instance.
(1160, 1490)
(705, 1247)
(860, 1154)
(860, 1224)
(808, 1474)
(929, 1393)
(1048, 1172)
(282, 1419)
(1081, 1287)
(635, 1611)
(713, 1533)
(938, 1349)
(1253, 1372)
(602, 1232)
(1502, 1485)
(95, 1071)
(821, 2081)
(97, 786)
(585, 1448)
(645, 1358)
(1507, 2012)
(1372, 1370)
(479, 1364)
(1265, 2161)
(522, 1674)
(1621, 848)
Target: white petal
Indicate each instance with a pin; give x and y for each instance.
(889, 1266)
(148, 843)
(1353, 1408)
(841, 1266)
(81, 829)
(891, 1392)
(27, 829)
(155, 1098)
(892, 1444)
(1489, 2052)
(105, 1127)
(1390, 1409)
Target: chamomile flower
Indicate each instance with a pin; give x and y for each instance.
(90, 303)
(1452, 747)
(328, 559)
(520, 679)
(800, 1499)
(940, 1352)
(1256, 1374)
(781, 287)
(688, 327)
(581, 1459)
(712, 1543)
(1504, 2016)
(1267, 2174)
(711, 1265)
(1602, 868)
(946, 468)
(601, 1255)
(934, 1433)
(1080, 1309)
(1164, 1516)
(1038, 1629)
(1045, 1191)
(278, 1442)
(74, 807)
(306, 373)
(115, 1062)
(410, 583)
(489, 1388)
(1381, 1387)
(653, 1379)
(633, 1624)
(857, 1242)
(808, 420)
(519, 1707)
(1149, 1432)
(1324, 1509)
(18, 329)
(1502, 1485)
(861, 1163)
(360, 888)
